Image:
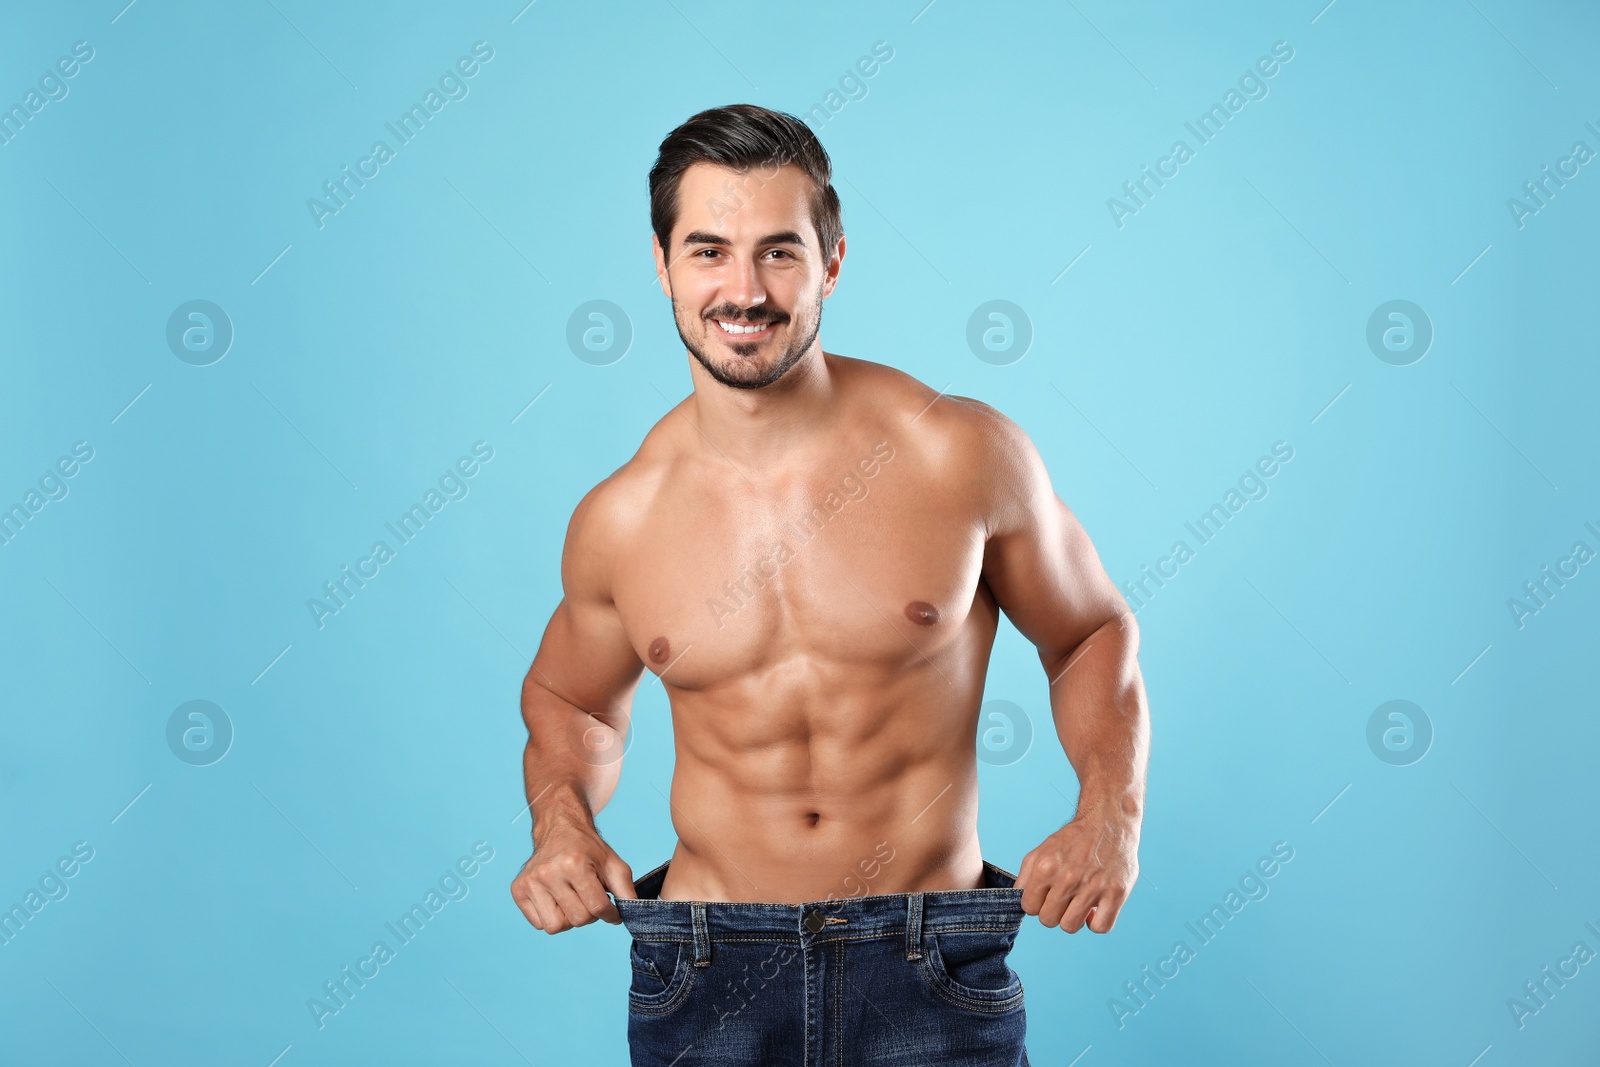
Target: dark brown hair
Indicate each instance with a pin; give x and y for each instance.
(743, 137)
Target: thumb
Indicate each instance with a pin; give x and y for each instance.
(1024, 871)
(618, 878)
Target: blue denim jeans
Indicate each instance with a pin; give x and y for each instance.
(877, 981)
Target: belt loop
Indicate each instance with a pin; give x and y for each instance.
(702, 936)
(913, 926)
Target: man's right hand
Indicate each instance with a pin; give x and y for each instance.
(565, 882)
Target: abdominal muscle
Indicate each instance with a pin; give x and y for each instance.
(818, 813)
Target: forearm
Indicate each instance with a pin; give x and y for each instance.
(566, 779)
(1097, 699)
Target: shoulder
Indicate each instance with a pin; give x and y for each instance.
(997, 461)
(971, 445)
(912, 402)
(610, 515)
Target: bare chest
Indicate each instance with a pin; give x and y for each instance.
(865, 563)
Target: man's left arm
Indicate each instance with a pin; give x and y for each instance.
(1047, 578)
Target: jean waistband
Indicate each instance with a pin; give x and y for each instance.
(997, 905)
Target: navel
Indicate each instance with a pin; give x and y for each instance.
(922, 613)
(660, 649)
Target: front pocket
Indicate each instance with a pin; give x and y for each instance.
(661, 976)
(969, 968)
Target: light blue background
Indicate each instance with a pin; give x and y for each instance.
(1228, 314)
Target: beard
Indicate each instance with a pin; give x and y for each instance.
(741, 372)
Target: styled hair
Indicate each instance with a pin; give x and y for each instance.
(744, 137)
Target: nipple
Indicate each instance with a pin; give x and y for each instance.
(922, 613)
(660, 649)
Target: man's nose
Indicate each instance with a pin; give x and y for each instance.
(742, 285)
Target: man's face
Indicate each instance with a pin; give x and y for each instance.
(745, 253)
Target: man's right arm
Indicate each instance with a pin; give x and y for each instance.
(576, 700)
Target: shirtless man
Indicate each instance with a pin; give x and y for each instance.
(811, 552)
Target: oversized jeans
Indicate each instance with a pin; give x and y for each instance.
(873, 981)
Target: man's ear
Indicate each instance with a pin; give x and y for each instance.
(661, 265)
(835, 262)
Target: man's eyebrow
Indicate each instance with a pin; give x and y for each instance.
(703, 237)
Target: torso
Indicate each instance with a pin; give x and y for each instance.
(822, 632)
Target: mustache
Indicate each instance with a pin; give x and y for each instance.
(747, 319)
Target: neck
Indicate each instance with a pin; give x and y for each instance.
(757, 428)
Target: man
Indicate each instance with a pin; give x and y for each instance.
(811, 552)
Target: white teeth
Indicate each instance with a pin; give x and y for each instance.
(735, 328)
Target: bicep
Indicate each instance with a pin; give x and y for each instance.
(585, 657)
(586, 660)
(1038, 560)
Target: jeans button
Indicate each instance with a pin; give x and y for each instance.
(814, 921)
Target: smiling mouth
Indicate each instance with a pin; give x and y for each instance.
(745, 331)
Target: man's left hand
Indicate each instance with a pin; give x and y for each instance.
(1082, 873)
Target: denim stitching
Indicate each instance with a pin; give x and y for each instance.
(990, 1007)
(838, 1006)
(684, 974)
(936, 983)
(893, 932)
